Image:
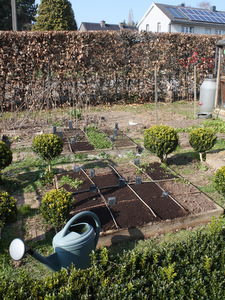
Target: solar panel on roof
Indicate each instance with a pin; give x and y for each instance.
(203, 15)
(176, 13)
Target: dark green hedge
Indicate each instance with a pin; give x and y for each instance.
(191, 269)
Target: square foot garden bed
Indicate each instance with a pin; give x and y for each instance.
(138, 208)
(76, 140)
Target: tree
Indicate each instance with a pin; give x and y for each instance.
(205, 5)
(55, 15)
(131, 18)
(26, 11)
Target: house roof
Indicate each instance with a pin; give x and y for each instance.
(102, 26)
(187, 15)
(221, 43)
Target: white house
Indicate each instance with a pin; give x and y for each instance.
(170, 18)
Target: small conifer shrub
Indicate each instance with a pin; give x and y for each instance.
(8, 209)
(55, 207)
(202, 140)
(161, 140)
(219, 180)
(47, 146)
(5, 156)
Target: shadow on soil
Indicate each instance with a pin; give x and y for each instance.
(183, 159)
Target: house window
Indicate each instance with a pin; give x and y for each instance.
(220, 32)
(187, 29)
(159, 27)
(208, 31)
(147, 27)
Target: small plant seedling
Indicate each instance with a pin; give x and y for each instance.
(99, 139)
(47, 176)
(73, 183)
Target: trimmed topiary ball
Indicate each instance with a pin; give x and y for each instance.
(219, 180)
(55, 207)
(202, 140)
(47, 146)
(8, 209)
(161, 140)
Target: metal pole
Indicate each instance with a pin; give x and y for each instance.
(156, 96)
(14, 16)
(218, 79)
(195, 92)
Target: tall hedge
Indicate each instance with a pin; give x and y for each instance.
(51, 68)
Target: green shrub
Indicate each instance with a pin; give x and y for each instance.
(161, 140)
(186, 268)
(55, 207)
(8, 209)
(47, 146)
(219, 180)
(202, 140)
(5, 156)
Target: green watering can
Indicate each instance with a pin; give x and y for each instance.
(73, 244)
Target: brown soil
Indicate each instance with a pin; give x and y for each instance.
(163, 197)
(129, 210)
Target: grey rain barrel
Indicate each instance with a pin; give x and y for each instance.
(207, 98)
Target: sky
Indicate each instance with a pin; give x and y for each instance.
(116, 11)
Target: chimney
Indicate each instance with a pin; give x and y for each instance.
(213, 8)
(121, 25)
(102, 23)
(182, 5)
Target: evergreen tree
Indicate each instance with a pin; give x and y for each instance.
(26, 11)
(55, 15)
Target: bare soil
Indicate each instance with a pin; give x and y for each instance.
(129, 210)
(160, 197)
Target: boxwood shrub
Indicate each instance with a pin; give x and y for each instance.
(219, 180)
(8, 209)
(202, 140)
(5, 156)
(47, 146)
(55, 207)
(161, 140)
(192, 268)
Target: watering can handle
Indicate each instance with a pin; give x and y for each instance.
(80, 215)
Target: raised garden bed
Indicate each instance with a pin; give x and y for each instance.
(145, 197)
(76, 140)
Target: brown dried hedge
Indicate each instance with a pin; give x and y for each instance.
(41, 69)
